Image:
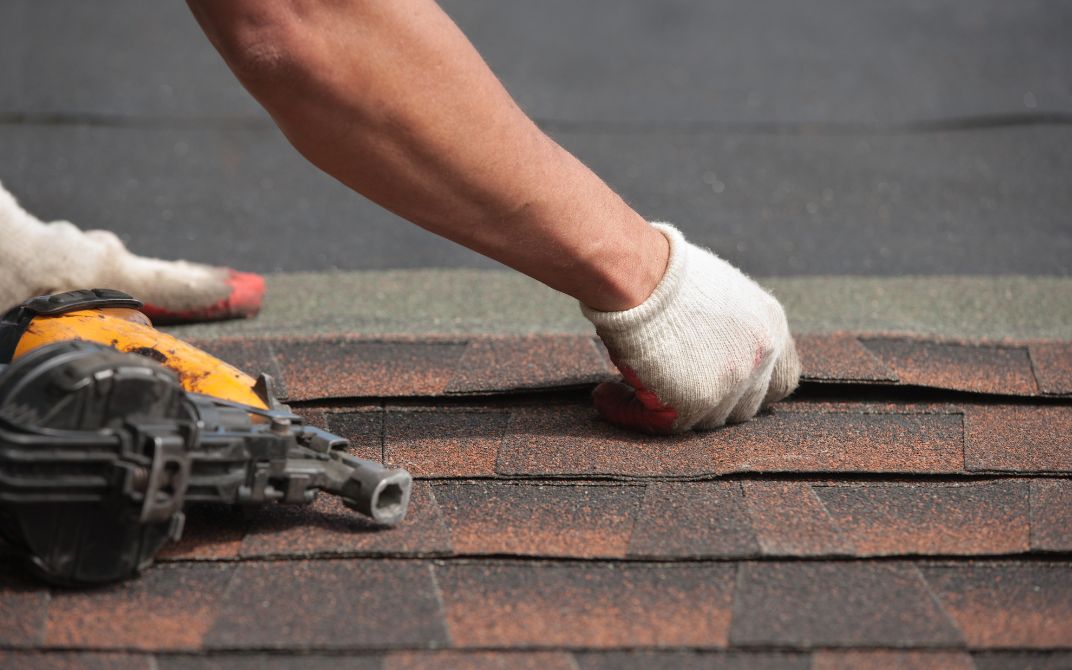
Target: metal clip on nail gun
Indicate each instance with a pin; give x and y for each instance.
(108, 426)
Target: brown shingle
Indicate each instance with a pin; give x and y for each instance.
(594, 605)
(815, 604)
(23, 607)
(169, 607)
(327, 527)
(347, 368)
(65, 660)
(931, 518)
(891, 660)
(354, 604)
(363, 427)
(1018, 438)
(1051, 514)
(518, 363)
(1022, 660)
(582, 521)
(479, 660)
(1007, 605)
(273, 661)
(789, 520)
(693, 519)
(840, 442)
(839, 357)
(692, 660)
(964, 367)
(444, 443)
(573, 440)
(1053, 366)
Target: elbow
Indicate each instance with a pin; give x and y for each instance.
(263, 44)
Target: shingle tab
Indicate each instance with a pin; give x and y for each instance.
(519, 363)
(891, 660)
(1051, 514)
(931, 518)
(1052, 362)
(1018, 438)
(327, 527)
(441, 443)
(169, 607)
(276, 661)
(1007, 604)
(843, 604)
(592, 605)
(965, 367)
(1022, 660)
(356, 604)
(347, 368)
(692, 660)
(479, 660)
(839, 357)
(840, 442)
(790, 520)
(532, 519)
(573, 440)
(693, 519)
(362, 426)
(66, 660)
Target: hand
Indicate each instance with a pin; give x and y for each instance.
(38, 258)
(709, 346)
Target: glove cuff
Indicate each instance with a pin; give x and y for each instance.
(660, 298)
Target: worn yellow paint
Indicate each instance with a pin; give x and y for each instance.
(130, 331)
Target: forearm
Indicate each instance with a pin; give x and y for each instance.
(391, 99)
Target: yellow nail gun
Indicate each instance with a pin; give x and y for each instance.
(108, 427)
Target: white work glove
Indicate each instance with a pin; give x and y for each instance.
(38, 258)
(709, 346)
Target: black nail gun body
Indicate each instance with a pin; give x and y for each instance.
(100, 449)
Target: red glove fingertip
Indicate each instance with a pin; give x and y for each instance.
(623, 406)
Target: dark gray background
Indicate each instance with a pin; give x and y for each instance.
(820, 137)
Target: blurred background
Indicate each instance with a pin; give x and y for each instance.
(795, 138)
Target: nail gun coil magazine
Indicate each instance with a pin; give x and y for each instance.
(101, 449)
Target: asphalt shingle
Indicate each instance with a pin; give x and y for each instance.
(980, 368)
(533, 519)
(443, 443)
(1051, 514)
(516, 364)
(814, 604)
(348, 368)
(931, 519)
(1008, 604)
(1052, 362)
(839, 358)
(1018, 438)
(170, 607)
(591, 605)
(790, 520)
(353, 604)
(891, 660)
(693, 519)
(35, 660)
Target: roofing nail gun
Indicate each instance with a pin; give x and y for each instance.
(108, 426)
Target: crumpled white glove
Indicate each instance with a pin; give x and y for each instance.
(709, 346)
(38, 258)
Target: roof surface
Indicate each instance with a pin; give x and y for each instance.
(910, 506)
